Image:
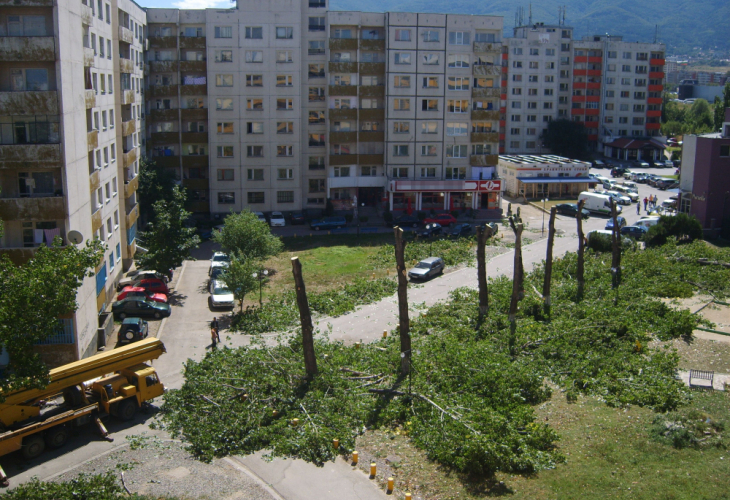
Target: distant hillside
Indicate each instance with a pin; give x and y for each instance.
(683, 24)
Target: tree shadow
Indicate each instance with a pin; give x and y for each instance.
(176, 299)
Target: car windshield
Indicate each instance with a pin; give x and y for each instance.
(221, 290)
(423, 265)
(220, 258)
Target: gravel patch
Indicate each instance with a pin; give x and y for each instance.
(161, 467)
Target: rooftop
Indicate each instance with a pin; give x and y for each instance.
(534, 159)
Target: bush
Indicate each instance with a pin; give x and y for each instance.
(84, 487)
(684, 227)
(599, 242)
(348, 218)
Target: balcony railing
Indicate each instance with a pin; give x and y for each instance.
(27, 48)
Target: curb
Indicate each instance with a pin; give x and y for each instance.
(164, 321)
(235, 463)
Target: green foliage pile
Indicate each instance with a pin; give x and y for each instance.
(683, 227)
(84, 487)
(282, 314)
(469, 402)
(688, 429)
(453, 251)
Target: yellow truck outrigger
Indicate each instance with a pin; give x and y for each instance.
(114, 382)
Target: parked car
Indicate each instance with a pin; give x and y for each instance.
(460, 230)
(139, 274)
(643, 164)
(631, 186)
(609, 224)
(633, 195)
(336, 222)
(620, 198)
(669, 164)
(220, 295)
(131, 291)
(633, 231)
(405, 220)
(641, 178)
(618, 171)
(571, 209)
(430, 230)
(443, 219)
(153, 286)
(297, 218)
(427, 268)
(219, 259)
(665, 183)
(137, 307)
(216, 272)
(599, 164)
(277, 219)
(260, 216)
(132, 330)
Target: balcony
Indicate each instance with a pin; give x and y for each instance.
(484, 114)
(163, 42)
(342, 67)
(129, 158)
(92, 140)
(343, 137)
(653, 126)
(196, 184)
(346, 90)
(493, 92)
(343, 159)
(654, 113)
(132, 215)
(372, 45)
(195, 161)
(165, 115)
(164, 66)
(371, 136)
(94, 181)
(370, 159)
(201, 89)
(487, 47)
(197, 206)
(656, 75)
(654, 100)
(87, 15)
(167, 161)
(343, 43)
(30, 102)
(126, 35)
(96, 220)
(578, 98)
(483, 160)
(342, 114)
(592, 112)
(27, 48)
(33, 209)
(359, 181)
(593, 72)
(88, 55)
(195, 66)
(129, 127)
(484, 137)
(90, 99)
(130, 187)
(656, 88)
(126, 65)
(192, 42)
(131, 249)
(580, 59)
(371, 68)
(372, 114)
(162, 91)
(372, 91)
(161, 138)
(194, 114)
(18, 256)
(28, 156)
(194, 137)
(657, 62)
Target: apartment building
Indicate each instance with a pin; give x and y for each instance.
(611, 86)
(70, 127)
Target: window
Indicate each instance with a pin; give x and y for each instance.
(224, 80)
(316, 117)
(368, 171)
(284, 56)
(459, 38)
(316, 185)
(255, 104)
(255, 127)
(515, 118)
(455, 173)
(342, 171)
(549, 78)
(316, 47)
(514, 131)
(430, 82)
(401, 104)
(458, 61)
(284, 127)
(402, 81)
(284, 80)
(548, 92)
(456, 151)
(401, 127)
(255, 174)
(547, 105)
(623, 119)
(400, 150)
(316, 24)
(342, 33)
(285, 196)
(223, 32)
(626, 68)
(429, 104)
(626, 55)
(254, 80)
(724, 150)
(316, 71)
(516, 78)
(458, 83)
(284, 173)
(226, 174)
(531, 78)
(428, 150)
(316, 140)
(402, 58)
(255, 197)
(254, 56)
(430, 36)
(400, 172)
(225, 151)
(316, 94)
(284, 104)
(428, 171)
(517, 91)
(284, 32)
(225, 127)
(284, 150)
(534, 65)
(609, 106)
(402, 35)
(254, 33)
(429, 127)
(517, 51)
(457, 105)
(623, 107)
(456, 128)
(316, 163)
(516, 105)
(255, 151)
(430, 59)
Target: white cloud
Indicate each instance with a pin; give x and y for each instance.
(204, 4)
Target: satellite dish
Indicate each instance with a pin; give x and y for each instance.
(75, 237)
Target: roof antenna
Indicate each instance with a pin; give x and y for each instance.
(564, 7)
(656, 32)
(530, 14)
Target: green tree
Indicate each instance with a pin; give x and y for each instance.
(673, 128)
(675, 112)
(700, 117)
(238, 277)
(682, 226)
(167, 239)
(245, 236)
(566, 138)
(33, 297)
(155, 183)
(721, 105)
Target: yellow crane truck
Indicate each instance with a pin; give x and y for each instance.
(114, 382)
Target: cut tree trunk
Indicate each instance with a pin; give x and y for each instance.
(305, 316)
(403, 321)
(581, 251)
(615, 249)
(549, 262)
(483, 233)
(518, 276)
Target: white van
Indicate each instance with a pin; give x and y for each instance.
(647, 222)
(597, 203)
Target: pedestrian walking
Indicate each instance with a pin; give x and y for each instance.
(213, 336)
(646, 200)
(214, 325)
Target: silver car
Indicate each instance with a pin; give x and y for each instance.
(427, 268)
(220, 295)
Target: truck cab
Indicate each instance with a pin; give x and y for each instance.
(123, 393)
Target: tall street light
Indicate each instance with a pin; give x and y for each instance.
(261, 275)
(544, 200)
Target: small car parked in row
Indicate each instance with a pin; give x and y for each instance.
(277, 219)
(131, 291)
(137, 307)
(132, 330)
(430, 230)
(443, 219)
(460, 230)
(335, 222)
(153, 286)
(571, 209)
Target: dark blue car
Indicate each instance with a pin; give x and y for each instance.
(336, 222)
(633, 231)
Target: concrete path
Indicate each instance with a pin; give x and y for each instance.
(719, 381)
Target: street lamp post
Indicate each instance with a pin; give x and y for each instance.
(544, 200)
(260, 276)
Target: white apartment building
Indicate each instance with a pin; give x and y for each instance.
(70, 129)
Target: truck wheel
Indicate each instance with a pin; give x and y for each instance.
(127, 409)
(33, 446)
(57, 436)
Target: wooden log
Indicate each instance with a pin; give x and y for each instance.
(549, 261)
(581, 252)
(615, 247)
(517, 288)
(483, 233)
(403, 320)
(305, 316)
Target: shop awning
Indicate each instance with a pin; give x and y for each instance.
(556, 180)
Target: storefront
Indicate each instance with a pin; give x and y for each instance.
(412, 196)
(626, 149)
(543, 176)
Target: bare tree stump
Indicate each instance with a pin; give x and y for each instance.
(305, 316)
(403, 321)
(483, 233)
(518, 276)
(549, 262)
(581, 252)
(615, 248)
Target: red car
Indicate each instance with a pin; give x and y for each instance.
(153, 286)
(443, 219)
(131, 291)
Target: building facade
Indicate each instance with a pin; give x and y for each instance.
(543, 176)
(71, 82)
